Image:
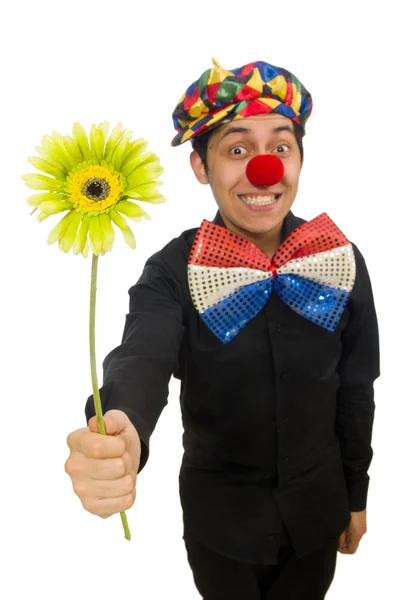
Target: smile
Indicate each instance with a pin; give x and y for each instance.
(260, 200)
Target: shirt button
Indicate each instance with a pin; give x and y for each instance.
(285, 419)
(278, 327)
(286, 459)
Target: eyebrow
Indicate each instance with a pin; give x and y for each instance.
(248, 131)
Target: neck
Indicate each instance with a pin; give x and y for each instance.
(268, 242)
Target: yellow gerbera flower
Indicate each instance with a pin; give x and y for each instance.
(92, 179)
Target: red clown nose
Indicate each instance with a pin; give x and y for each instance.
(265, 169)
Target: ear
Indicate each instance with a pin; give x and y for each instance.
(198, 167)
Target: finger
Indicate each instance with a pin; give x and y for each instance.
(105, 507)
(342, 541)
(97, 445)
(74, 436)
(105, 468)
(353, 547)
(104, 488)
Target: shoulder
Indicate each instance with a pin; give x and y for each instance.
(170, 262)
(176, 252)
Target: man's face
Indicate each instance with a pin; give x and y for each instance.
(229, 150)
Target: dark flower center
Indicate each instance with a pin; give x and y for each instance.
(96, 189)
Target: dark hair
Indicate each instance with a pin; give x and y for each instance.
(200, 143)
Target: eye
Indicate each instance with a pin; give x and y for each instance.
(281, 145)
(237, 148)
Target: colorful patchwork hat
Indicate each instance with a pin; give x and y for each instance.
(222, 95)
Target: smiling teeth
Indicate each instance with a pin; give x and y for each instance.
(259, 200)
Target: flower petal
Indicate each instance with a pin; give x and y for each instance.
(137, 161)
(114, 137)
(146, 193)
(132, 210)
(73, 149)
(42, 182)
(96, 238)
(104, 127)
(37, 199)
(81, 236)
(41, 216)
(143, 175)
(129, 237)
(62, 152)
(56, 155)
(133, 150)
(48, 154)
(55, 206)
(97, 141)
(84, 252)
(81, 138)
(120, 149)
(47, 167)
(107, 232)
(154, 199)
(123, 226)
(59, 230)
(70, 234)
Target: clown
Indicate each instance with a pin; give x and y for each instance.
(269, 322)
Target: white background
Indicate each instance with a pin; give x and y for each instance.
(130, 62)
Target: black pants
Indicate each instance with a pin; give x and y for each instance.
(220, 578)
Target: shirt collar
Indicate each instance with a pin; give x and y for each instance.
(290, 223)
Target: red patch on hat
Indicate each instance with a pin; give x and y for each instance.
(190, 100)
(247, 69)
(255, 108)
(212, 91)
(288, 98)
(246, 93)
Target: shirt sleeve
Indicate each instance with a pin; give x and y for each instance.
(136, 373)
(358, 368)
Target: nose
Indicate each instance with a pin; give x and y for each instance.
(265, 169)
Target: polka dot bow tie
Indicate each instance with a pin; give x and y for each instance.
(231, 279)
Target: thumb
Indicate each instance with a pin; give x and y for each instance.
(115, 422)
(342, 542)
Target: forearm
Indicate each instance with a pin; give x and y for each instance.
(139, 390)
(354, 423)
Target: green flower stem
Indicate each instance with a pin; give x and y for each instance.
(96, 395)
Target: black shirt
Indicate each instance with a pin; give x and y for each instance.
(277, 423)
